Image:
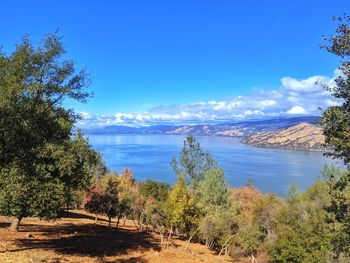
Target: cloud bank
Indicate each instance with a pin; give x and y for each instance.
(293, 98)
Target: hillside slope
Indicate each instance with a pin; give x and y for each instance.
(303, 136)
(75, 238)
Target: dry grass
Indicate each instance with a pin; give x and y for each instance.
(303, 136)
(75, 238)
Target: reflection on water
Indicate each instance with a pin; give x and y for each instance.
(272, 170)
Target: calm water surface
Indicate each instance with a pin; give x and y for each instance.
(272, 170)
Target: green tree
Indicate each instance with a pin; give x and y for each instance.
(193, 163)
(95, 204)
(110, 199)
(35, 129)
(183, 213)
(337, 133)
(302, 231)
(214, 192)
(156, 190)
(339, 191)
(75, 163)
(265, 212)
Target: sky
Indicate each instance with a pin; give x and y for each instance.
(188, 61)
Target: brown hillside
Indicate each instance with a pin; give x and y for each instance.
(303, 136)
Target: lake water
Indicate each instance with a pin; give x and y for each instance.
(272, 170)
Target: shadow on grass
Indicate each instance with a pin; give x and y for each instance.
(129, 260)
(4, 225)
(88, 240)
(80, 216)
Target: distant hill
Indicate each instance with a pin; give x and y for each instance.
(303, 136)
(242, 128)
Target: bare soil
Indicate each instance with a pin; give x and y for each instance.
(76, 238)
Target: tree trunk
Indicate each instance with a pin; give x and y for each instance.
(161, 239)
(135, 224)
(109, 221)
(15, 223)
(141, 221)
(116, 226)
(96, 218)
(189, 240)
(67, 203)
(170, 232)
(225, 245)
(124, 223)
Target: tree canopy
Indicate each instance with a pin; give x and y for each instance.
(42, 157)
(336, 122)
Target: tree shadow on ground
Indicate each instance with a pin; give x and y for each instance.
(128, 260)
(75, 215)
(88, 240)
(4, 225)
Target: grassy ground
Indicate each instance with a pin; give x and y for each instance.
(75, 238)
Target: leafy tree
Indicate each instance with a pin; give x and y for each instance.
(95, 204)
(183, 213)
(36, 130)
(214, 192)
(250, 182)
(336, 122)
(152, 189)
(265, 212)
(75, 162)
(193, 163)
(302, 230)
(127, 190)
(218, 227)
(339, 191)
(250, 240)
(110, 199)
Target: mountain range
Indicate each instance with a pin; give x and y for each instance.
(239, 128)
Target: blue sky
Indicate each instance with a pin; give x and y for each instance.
(155, 61)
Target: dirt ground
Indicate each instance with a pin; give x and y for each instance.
(76, 238)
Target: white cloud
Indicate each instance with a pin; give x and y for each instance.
(297, 110)
(293, 97)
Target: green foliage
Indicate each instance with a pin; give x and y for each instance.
(336, 118)
(41, 161)
(338, 208)
(250, 182)
(302, 231)
(156, 190)
(293, 192)
(218, 227)
(193, 163)
(337, 135)
(183, 213)
(250, 240)
(110, 197)
(22, 196)
(106, 200)
(265, 212)
(214, 192)
(95, 204)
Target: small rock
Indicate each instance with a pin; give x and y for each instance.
(29, 235)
